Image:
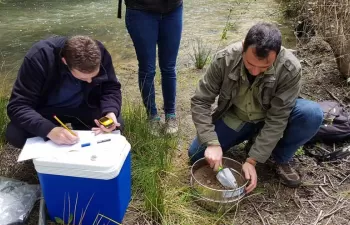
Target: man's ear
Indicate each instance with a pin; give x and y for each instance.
(64, 60)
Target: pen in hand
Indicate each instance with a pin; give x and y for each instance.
(63, 125)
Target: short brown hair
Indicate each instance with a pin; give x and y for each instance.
(82, 53)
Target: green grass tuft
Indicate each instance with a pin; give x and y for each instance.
(300, 151)
(201, 53)
(151, 157)
(3, 120)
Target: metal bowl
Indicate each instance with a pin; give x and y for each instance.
(218, 200)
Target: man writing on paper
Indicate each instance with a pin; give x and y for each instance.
(258, 83)
(72, 78)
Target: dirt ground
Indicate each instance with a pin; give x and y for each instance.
(324, 197)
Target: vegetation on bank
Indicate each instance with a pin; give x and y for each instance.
(151, 158)
(3, 104)
(3, 120)
(329, 21)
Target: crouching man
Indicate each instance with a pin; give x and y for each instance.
(72, 78)
(258, 82)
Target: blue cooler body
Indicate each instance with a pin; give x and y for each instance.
(92, 186)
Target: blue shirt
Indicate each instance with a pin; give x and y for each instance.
(69, 94)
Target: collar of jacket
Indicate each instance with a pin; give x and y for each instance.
(101, 77)
(270, 74)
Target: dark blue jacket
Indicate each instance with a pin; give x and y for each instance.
(39, 75)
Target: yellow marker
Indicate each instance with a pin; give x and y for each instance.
(58, 120)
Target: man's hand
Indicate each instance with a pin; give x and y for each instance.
(213, 154)
(250, 174)
(100, 128)
(61, 136)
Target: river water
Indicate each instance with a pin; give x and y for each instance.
(24, 22)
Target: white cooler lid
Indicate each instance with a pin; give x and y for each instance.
(98, 161)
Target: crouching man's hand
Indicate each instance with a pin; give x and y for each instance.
(250, 174)
(61, 136)
(213, 155)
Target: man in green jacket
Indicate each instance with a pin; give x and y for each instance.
(257, 82)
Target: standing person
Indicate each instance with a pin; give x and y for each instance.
(152, 23)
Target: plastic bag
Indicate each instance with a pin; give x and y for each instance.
(16, 200)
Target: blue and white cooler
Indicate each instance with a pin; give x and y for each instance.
(88, 186)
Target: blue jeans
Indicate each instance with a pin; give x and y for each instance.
(304, 122)
(146, 30)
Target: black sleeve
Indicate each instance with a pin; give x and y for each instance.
(25, 98)
(111, 98)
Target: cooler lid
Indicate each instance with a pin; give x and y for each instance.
(104, 158)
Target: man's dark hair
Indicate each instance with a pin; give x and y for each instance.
(264, 37)
(82, 53)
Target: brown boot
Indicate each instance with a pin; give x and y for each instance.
(288, 175)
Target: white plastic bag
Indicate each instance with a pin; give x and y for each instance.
(16, 200)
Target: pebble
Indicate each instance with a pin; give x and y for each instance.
(208, 182)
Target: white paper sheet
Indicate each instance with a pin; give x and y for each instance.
(36, 147)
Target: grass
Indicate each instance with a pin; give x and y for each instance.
(72, 217)
(201, 53)
(300, 151)
(151, 157)
(3, 119)
(157, 180)
(3, 101)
